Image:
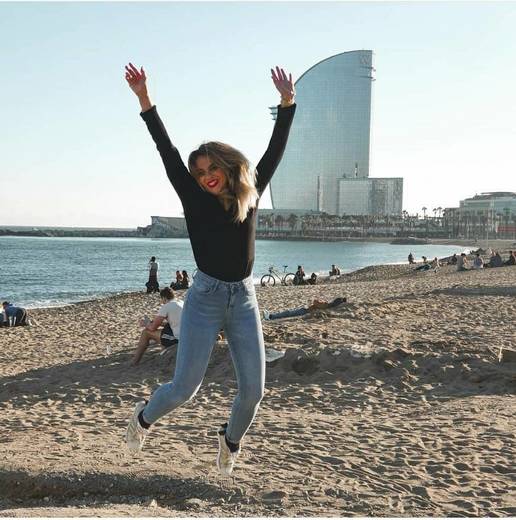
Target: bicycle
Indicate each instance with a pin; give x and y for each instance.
(283, 278)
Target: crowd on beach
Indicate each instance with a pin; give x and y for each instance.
(464, 264)
(164, 328)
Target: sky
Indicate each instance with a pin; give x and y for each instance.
(74, 151)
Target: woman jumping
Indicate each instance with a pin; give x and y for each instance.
(219, 192)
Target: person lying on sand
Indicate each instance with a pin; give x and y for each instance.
(425, 266)
(169, 334)
(301, 311)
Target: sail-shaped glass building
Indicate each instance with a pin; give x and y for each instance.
(330, 139)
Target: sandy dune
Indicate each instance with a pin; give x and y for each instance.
(398, 403)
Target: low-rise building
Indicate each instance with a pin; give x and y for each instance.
(370, 196)
(165, 227)
(497, 202)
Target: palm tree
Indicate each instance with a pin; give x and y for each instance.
(445, 223)
(278, 222)
(292, 221)
(270, 222)
(423, 209)
(304, 225)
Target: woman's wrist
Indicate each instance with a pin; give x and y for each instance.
(287, 101)
(145, 102)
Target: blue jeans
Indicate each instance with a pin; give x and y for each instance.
(289, 313)
(211, 305)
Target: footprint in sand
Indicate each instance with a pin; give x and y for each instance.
(274, 496)
(461, 466)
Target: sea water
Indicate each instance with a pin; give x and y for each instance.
(41, 272)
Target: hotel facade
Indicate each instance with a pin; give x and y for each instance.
(325, 167)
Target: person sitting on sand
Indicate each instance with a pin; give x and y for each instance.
(179, 280)
(313, 279)
(299, 277)
(462, 263)
(301, 311)
(512, 259)
(335, 271)
(453, 259)
(435, 264)
(495, 260)
(185, 281)
(14, 316)
(167, 336)
(478, 262)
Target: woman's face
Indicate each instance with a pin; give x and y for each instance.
(209, 176)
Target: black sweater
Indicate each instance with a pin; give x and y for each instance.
(221, 248)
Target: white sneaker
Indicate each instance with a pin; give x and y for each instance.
(226, 458)
(135, 434)
(266, 315)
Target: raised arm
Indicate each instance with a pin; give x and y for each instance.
(272, 156)
(177, 172)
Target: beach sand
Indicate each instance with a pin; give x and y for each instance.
(397, 403)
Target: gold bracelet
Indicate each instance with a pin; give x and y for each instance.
(286, 102)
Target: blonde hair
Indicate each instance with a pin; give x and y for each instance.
(240, 194)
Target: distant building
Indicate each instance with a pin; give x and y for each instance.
(370, 196)
(488, 214)
(498, 202)
(165, 227)
(325, 166)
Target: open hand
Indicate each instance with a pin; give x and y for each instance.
(284, 85)
(136, 79)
